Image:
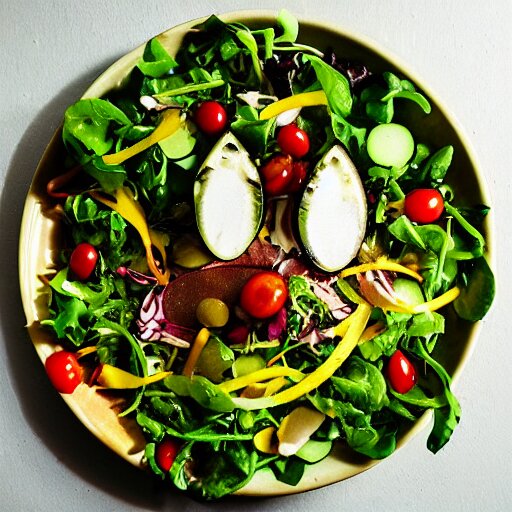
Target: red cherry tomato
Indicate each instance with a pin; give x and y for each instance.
(264, 294)
(401, 373)
(166, 452)
(293, 141)
(277, 175)
(299, 174)
(83, 260)
(64, 371)
(211, 118)
(424, 205)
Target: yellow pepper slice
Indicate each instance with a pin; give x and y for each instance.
(381, 264)
(259, 376)
(322, 373)
(431, 305)
(114, 378)
(303, 99)
(126, 205)
(264, 441)
(169, 123)
(438, 302)
(199, 343)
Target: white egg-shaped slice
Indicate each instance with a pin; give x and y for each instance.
(333, 212)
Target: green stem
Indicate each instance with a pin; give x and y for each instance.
(186, 89)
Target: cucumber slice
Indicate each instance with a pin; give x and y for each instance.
(408, 291)
(228, 199)
(178, 145)
(332, 212)
(314, 451)
(390, 145)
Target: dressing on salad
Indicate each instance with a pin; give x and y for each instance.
(260, 253)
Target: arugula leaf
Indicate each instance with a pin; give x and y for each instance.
(68, 318)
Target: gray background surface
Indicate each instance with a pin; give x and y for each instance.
(50, 51)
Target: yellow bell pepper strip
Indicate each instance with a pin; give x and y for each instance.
(85, 351)
(259, 376)
(432, 305)
(264, 388)
(169, 123)
(127, 206)
(371, 331)
(324, 372)
(342, 328)
(438, 302)
(112, 377)
(199, 343)
(303, 99)
(264, 441)
(381, 264)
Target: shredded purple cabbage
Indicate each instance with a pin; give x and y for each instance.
(356, 73)
(153, 326)
(277, 325)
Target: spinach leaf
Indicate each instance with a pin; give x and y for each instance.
(290, 27)
(288, 470)
(253, 133)
(334, 84)
(91, 122)
(155, 60)
(445, 418)
(362, 384)
(477, 293)
(217, 473)
(214, 360)
(205, 393)
(379, 100)
(437, 165)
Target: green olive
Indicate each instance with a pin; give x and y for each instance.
(212, 313)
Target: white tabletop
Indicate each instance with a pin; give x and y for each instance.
(50, 52)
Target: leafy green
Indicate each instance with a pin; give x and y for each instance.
(477, 293)
(204, 392)
(334, 84)
(363, 384)
(290, 27)
(379, 100)
(252, 132)
(155, 60)
(91, 122)
(214, 360)
(304, 301)
(445, 418)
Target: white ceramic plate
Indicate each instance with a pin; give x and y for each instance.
(39, 242)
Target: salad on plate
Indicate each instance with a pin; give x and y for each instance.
(259, 256)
